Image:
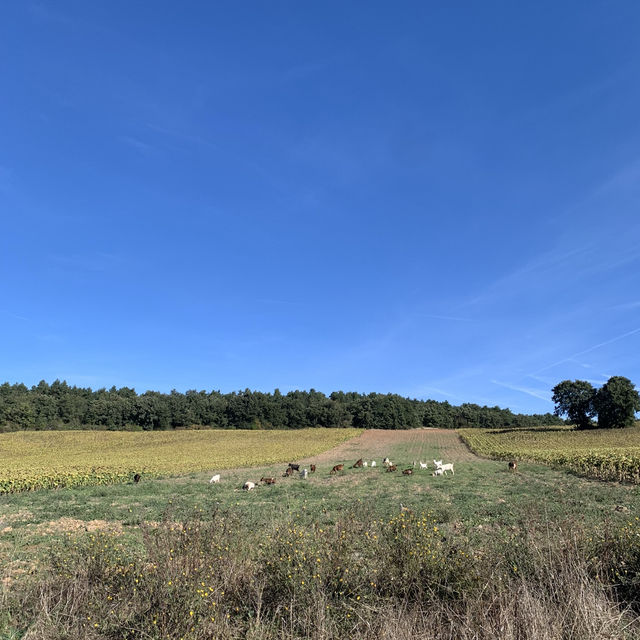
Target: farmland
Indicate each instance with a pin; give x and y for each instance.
(54, 459)
(611, 454)
(482, 554)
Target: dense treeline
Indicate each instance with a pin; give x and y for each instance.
(60, 406)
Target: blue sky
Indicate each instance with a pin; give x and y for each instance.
(434, 199)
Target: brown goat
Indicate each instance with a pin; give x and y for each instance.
(288, 472)
(338, 467)
(513, 465)
(358, 464)
(313, 468)
(136, 478)
(268, 480)
(392, 467)
(407, 472)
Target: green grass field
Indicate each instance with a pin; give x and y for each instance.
(484, 520)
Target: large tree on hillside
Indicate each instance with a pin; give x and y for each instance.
(575, 398)
(616, 403)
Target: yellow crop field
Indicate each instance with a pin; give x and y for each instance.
(49, 459)
(607, 454)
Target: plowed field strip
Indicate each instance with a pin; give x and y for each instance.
(413, 444)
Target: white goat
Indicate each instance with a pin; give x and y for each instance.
(437, 472)
(373, 463)
(304, 473)
(423, 465)
(215, 479)
(386, 462)
(248, 486)
(445, 467)
(365, 464)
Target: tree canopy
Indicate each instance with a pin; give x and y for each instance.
(58, 405)
(574, 398)
(615, 403)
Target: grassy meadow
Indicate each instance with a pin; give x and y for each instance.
(483, 553)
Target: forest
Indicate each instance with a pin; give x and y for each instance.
(61, 406)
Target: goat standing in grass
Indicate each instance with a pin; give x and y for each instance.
(444, 467)
(215, 479)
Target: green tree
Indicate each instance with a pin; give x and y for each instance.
(616, 403)
(575, 398)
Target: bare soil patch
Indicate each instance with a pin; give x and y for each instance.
(63, 525)
(377, 443)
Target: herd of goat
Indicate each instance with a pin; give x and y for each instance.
(440, 469)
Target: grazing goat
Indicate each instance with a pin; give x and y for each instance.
(386, 462)
(407, 472)
(268, 480)
(313, 468)
(437, 463)
(513, 465)
(295, 467)
(304, 474)
(392, 467)
(247, 486)
(288, 472)
(438, 472)
(338, 467)
(358, 464)
(423, 465)
(365, 464)
(215, 479)
(136, 478)
(445, 467)
(373, 463)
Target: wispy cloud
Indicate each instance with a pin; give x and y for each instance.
(137, 144)
(427, 391)
(625, 306)
(536, 393)
(436, 316)
(181, 135)
(584, 351)
(14, 315)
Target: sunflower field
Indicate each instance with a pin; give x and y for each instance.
(52, 459)
(606, 454)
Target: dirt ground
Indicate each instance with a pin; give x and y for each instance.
(375, 444)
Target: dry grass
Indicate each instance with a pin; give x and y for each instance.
(395, 579)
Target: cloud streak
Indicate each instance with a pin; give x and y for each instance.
(589, 350)
(530, 392)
